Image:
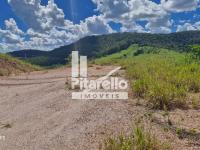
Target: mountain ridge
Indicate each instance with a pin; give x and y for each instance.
(101, 45)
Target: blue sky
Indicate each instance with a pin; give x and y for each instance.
(47, 24)
(75, 10)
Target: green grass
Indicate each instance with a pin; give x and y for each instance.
(115, 58)
(138, 140)
(162, 77)
(132, 51)
(10, 65)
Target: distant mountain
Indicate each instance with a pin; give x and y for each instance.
(28, 53)
(97, 46)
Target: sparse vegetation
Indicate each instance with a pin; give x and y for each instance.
(162, 77)
(138, 140)
(10, 65)
(195, 52)
(179, 132)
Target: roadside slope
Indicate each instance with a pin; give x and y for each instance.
(10, 65)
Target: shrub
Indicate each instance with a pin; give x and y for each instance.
(195, 51)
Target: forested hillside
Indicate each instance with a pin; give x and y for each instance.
(97, 46)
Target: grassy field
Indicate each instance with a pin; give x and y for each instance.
(10, 65)
(162, 77)
(165, 79)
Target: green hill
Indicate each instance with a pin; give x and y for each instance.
(97, 46)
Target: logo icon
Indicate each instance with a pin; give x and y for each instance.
(106, 87)
(2, 138)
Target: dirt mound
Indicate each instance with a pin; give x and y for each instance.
(10, 65)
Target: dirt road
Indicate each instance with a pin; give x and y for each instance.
(37, 113)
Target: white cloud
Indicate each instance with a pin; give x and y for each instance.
(12, 34)
(145, 9)
(179, 5)
(96, 25)
(67, 34)
(48, 27)
(36, 16)
(159, 25)
(132, 27)
(128, 12)
(122, 10)
(12, 27)
(188, 27)
(112, 8)
(5, 46)
(9, 37)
